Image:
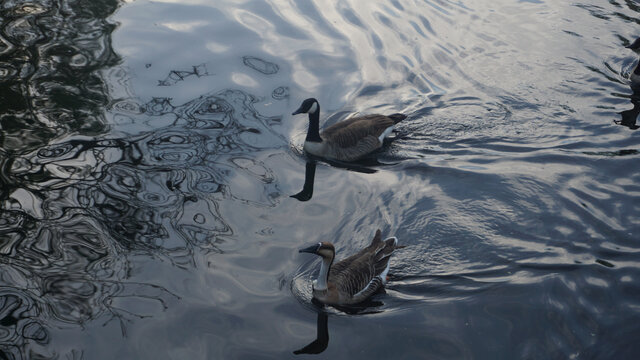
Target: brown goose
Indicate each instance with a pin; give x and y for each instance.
(347, 140)
(355, 278)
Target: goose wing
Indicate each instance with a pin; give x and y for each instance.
(380, 269)
(361, 275)
(350, 132)
(353, 274)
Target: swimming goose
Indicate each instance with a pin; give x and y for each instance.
(355, 278)
(347, 140)
(635, 75)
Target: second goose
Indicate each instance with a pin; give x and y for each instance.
(347, 140)
(354, 279)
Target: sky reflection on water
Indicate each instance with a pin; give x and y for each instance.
(148, 165)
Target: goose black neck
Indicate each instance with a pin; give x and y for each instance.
(637, 69)
(313, 134)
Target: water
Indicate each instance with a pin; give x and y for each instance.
(148, 158)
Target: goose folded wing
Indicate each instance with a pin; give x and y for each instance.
(355, 277)
(349, 133)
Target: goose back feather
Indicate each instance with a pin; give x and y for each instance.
(363, 274)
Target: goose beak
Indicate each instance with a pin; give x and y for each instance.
(299, 111)
(311, 249)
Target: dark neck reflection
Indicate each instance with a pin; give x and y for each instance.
(321, 342)
(310, 173)
(307, 188)
(322, 336)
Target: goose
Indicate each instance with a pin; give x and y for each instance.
(635, 75)
(348, 140)
(354, 279)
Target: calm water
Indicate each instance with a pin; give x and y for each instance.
(148, 158)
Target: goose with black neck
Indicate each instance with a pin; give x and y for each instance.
(347, 140)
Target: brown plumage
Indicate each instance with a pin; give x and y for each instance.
(347, 140)
(354, 279)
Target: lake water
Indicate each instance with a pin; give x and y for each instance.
(149, 156)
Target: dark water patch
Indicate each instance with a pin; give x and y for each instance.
(59, 51)
(623, 152)
(605, 263)
(84, 208)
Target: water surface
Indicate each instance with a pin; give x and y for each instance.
(148, 160)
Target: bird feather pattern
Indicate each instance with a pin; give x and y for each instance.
(359, 273)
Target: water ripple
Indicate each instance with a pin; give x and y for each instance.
(146, 167)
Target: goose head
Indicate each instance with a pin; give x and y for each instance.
(309, 106)
(326, 251)
(635, 46)
(323, 249)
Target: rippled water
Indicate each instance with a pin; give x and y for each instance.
(148, 161)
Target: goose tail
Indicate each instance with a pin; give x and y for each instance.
(377, 239)
(382, 256)
(397, 117)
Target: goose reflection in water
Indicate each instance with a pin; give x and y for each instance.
(364, 166)
(307, 189)
(310, 173)
(321, 341)
(322, 336)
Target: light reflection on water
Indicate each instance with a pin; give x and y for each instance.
(147, 171)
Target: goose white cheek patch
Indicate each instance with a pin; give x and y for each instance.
(313, 108)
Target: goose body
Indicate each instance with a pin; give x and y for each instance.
(356, 278)
(635, 75)
(347, 140)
